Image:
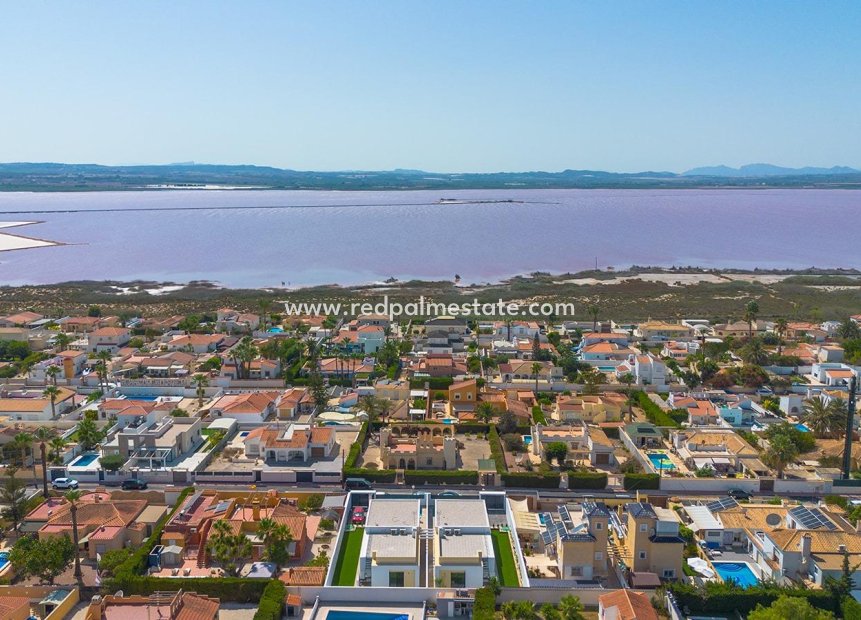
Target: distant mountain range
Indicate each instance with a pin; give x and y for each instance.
(766, 170)
(93, 177)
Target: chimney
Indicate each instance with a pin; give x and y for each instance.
(806, 544)
(255, 510)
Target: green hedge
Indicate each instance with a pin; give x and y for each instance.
(538, 415)
(728, 598)
(633, 482)
(655, 414)
(272, 602)
(228, 589)
(372, 475)
(441, 477)
(531, 480)
(484, 607)
(496, 452)
(587, 480)
(472, 427)
(435, 383)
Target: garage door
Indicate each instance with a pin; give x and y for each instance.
(304, 476)
(602, 459)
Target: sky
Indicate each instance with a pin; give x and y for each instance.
(439, 85)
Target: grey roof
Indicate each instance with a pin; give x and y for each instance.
(392, 512)
(389, 546)
(576, 537)
(811, 518)
(641, 510)
(595, 509)
(667, 539)
(465, 546)
(461, 513)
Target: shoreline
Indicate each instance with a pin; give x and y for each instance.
(10, 242)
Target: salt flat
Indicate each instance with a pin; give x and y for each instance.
(17, 242)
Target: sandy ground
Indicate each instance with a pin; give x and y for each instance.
(681, 279)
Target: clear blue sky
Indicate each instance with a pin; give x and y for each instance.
(438, 85)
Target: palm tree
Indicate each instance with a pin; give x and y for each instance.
(13, 496)
(780, 453)
(21, 444)
(484, 412)
(57, 445)
(536, 370)
(61, 341)
(780, 328)
(104, 357)
(754, 353)
(594, 311)
(265, 305)
(201, 381)
(751, 311)
(43, 436)
(72, 497)
(824, 420)
(571, 608)
(51, 372)
(52, 392)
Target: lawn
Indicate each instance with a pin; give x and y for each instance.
(504, 559)
(348, 558)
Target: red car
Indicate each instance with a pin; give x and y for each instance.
(358, 515)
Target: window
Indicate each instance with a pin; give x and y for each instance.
(644, 527)
(469, 396)
(576, 571)
(599, 555)
(456, 396)
(599, 525)
(669, 573)
(642, 555)
(396, 580)
(458, 580)
(429, 461)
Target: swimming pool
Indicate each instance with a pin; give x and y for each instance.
(527, 439)
(4, 559)
(802, 428)
(337, 614)
(449, 421)
(84, 460)
(275, 330)
(739, 572)
(661, 461)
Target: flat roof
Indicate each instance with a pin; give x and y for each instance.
(389, 546)
(702, 518)
(465, 546)
(461, 513)
(393, 512)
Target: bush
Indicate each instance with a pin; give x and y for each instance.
(532, 480)
(435, 383)
(496, 451)
(441, 477)
(475, 428)
(587, 480)
(633, 482)
(372, 475)
(655, 414)
(484, 607)
(272, 602)
(327, 524)
(356, 449)
(228, 589)
(728, 598)
(538, 415)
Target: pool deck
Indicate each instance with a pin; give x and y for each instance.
(414, 612)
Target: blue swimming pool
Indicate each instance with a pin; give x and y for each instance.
(449, 421)
(84, 460)
(364, 615)
(4, 559)
(661, 461)
(802, 428)
(527, 439)
(739, 572)
(275, 330)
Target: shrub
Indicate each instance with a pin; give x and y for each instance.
(655, 414)
(327, 524)
(484, 607)
(272, 602)
(641, 481)
(475, 428)
(729, 598)
(538, 415)
(587, 480)
(372, 475)
(496, 451)
(441, 477)
(531, 480)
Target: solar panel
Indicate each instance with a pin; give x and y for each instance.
(546, 538)
(563, 512)
(811, 518)
(721, 504)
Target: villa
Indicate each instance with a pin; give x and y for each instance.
(463, 547)
(295, 443)
(389, 555)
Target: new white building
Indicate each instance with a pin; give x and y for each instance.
(463, 553)
(390, 545)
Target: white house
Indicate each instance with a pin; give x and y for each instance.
(108, 339)
(390, 546)
(463, 553)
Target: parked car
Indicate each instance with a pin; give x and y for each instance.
(739, 494)
(356, 483)
(65, 483)
(359, 515)
(134, 484)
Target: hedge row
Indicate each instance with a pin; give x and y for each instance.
(441, 477)
(272, 602)
(357, 447)
(228, 589)
(538, 415)
(587, 480)
(496, 452)
(728, 598)
(532, 480)
(484, 607)
(435, 383)
(372, 475)
(633, 482)
(655, 414)
(472, 427)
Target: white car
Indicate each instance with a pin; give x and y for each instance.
(65, 483)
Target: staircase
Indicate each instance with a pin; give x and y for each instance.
(365, 572)
(201, 550)
(485, 568)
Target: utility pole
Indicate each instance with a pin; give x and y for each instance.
(850, 419)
